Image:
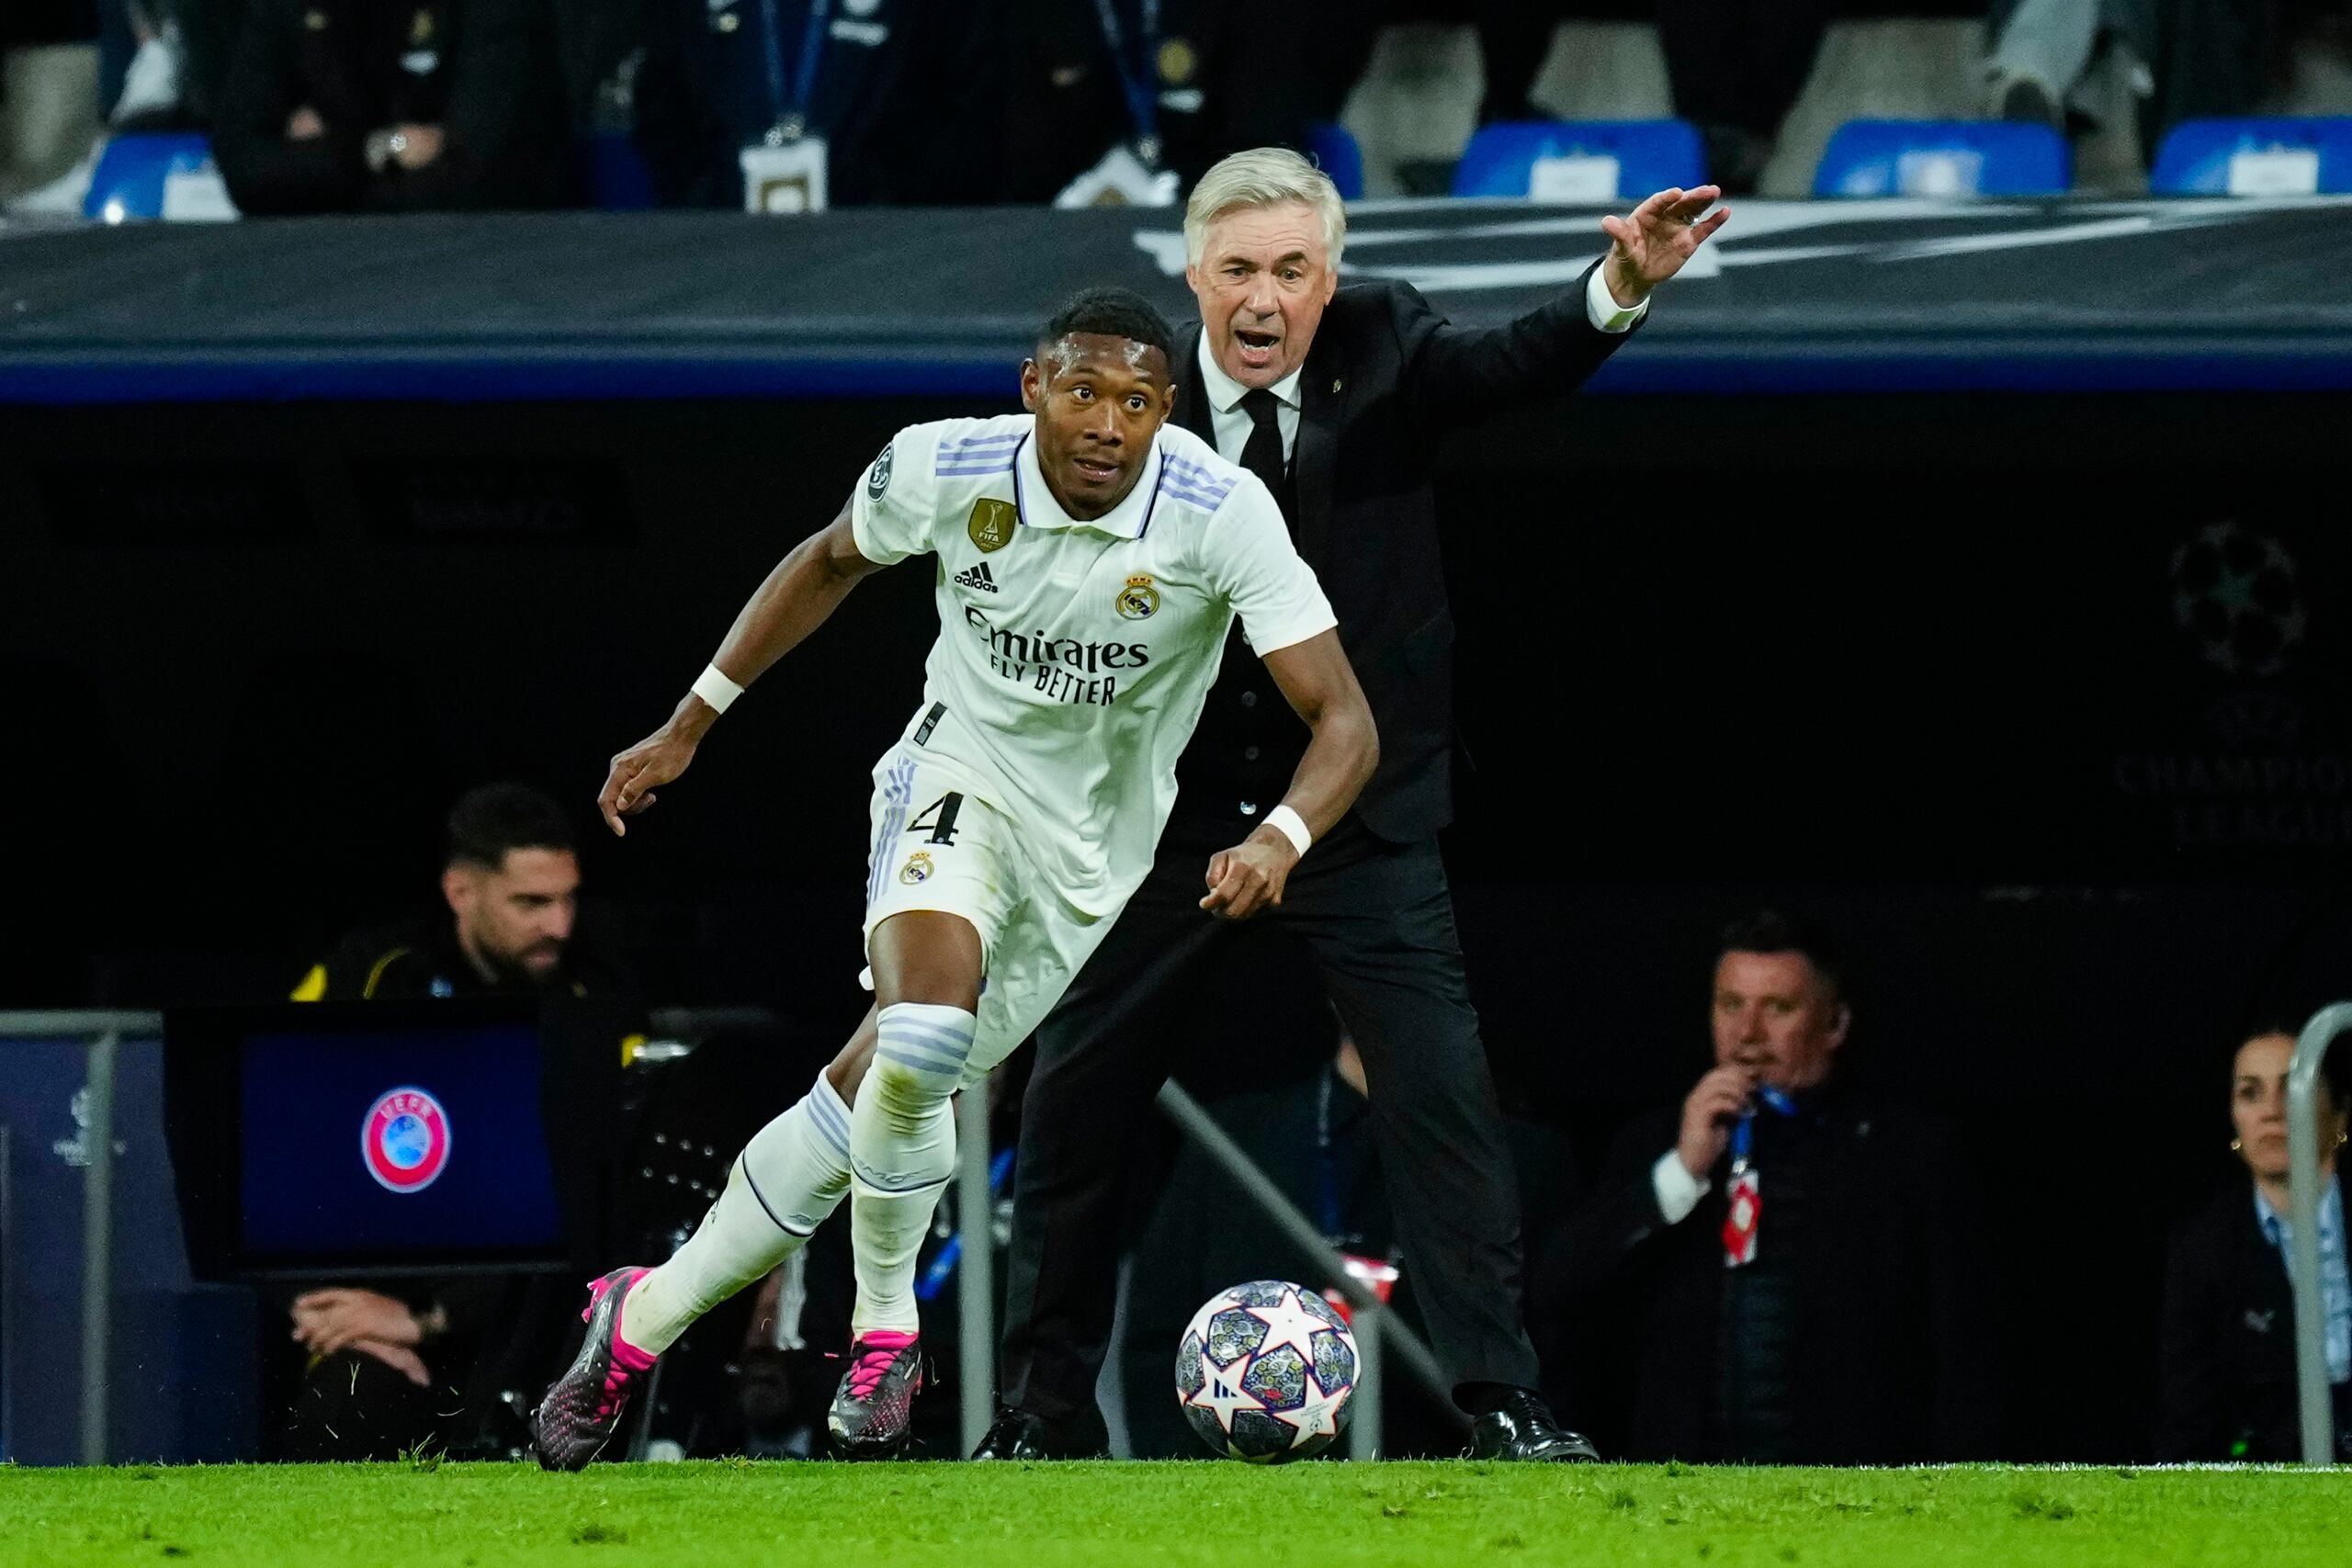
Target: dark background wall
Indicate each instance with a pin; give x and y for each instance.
(2038, 702)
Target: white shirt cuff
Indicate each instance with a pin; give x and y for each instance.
(1603, 308)
(1678, 1191)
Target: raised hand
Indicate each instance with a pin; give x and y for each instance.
(1720, 1099)
(1650, 245)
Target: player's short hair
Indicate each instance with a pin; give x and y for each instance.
(1774, 931)
(495, 819)
(1263, 177)
(1111, 312)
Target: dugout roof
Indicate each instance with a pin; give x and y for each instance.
(1793, 296)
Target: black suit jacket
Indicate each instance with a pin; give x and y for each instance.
(2226, 1355)
(1385, 378)
(486, 71)
(1892, 1358)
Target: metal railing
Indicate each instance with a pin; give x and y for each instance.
(1377, 1331)
(2305, 1193)
(105, 1033)
(1378, 1334)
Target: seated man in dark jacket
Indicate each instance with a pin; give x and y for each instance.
(510, 888)
(1800, 1267)
(385, 1370)
(359, 106)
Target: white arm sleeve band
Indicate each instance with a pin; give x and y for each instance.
(713, 687)
(1292, 826)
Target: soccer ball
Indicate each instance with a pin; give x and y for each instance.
(1265, 1373)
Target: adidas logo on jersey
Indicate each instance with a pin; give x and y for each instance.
(977, 577)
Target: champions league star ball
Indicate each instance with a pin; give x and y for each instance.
(1265, 1373)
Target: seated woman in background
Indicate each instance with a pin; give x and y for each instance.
(2228, 1348)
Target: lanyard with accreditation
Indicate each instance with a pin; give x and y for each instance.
(1746, 1206)
(1129, 174)
(785, 173)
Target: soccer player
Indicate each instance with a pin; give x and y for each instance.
(1092, 559)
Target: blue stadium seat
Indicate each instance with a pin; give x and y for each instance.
(2256, 157)
(1943, 158)
(1580, 160)
(1334, 151)
(133, 171)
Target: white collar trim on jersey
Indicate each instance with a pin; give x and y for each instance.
(1034, 501)
(1226, 393)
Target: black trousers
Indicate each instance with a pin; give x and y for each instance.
(1379, 920)
(1741, 64)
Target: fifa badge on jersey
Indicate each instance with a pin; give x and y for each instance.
(917, 870)
(1139, 598)
(877, 477)
(992, 523)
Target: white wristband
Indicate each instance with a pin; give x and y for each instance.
(713, 687)
(1292, 826)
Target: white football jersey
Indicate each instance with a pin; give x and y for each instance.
(1073, 658)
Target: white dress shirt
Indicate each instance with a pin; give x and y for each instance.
(1678, 1191)
(1231, 424)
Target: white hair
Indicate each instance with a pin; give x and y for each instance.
(1263, 177)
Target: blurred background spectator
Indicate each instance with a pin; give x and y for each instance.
(2228, 1370)
(1180, 83)
(349, 106)
(2181, 59)
(1514, 36)
(1796, 1266)
(1736, 68)
(372, 105)
(510, 888)
(897, 100)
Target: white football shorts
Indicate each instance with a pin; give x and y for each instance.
(938, 846)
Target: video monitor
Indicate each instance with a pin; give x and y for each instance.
(378, 1137)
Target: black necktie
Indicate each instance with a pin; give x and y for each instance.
(1262, 453)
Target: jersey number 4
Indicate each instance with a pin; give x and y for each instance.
(939, 820)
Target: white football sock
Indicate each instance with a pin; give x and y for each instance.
(903, 1151)
(791, 1175)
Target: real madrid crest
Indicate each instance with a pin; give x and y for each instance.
(917, 870)
(992, 523)
(1139, 598)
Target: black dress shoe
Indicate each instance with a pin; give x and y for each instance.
(1015, 1434)
(1523, 1427)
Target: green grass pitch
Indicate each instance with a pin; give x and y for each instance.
(739, 1515)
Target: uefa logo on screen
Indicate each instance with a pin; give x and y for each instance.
(404, 1140)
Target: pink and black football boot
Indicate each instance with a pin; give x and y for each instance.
(875, 1406)
(583, 1408)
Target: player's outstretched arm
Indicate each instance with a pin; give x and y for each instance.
(805, 588)
(1320, 685)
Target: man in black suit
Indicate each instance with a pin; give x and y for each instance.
(1798, 1267)
(1337, 399)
